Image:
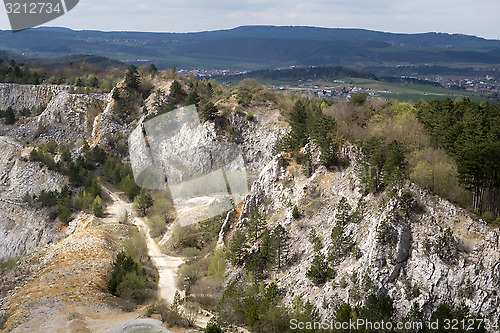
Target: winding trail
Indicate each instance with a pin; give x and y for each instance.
(167, 265)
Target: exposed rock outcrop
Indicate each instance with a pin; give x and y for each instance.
(440, 254)
(65, 117)
(20, 96)
(23, 227)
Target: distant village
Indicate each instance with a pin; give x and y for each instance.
(488, 86)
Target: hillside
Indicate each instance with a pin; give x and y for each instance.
(281, 207)
(258, 47)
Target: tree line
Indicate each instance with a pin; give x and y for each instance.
(470, 134)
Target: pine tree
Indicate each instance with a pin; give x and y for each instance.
(238, 248)
(307, 167)
(298, 118)
(98, 207)
(320, 271)
(142, 203)
(10, 116)
(192, 98)
(343, 212)
(407, 203)
(267, 250)
(255, 225)
(65, 209)
(152, 69)
(210, 111)
(315, 241)
(132, 77)
(281, 240)
(329, 152)
(295, 212)
(116, 94)
(176, 91)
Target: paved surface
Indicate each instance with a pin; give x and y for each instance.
(152, 324)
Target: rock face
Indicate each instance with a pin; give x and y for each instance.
(65, 117)
(24, 228)
(439, 254)
(69, 117)
(20, 96)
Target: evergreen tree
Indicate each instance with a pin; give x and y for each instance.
(394, 163)
(152, 69)
(320, 271)
(329, 152)
(65, 209)
(142, 203)
(98, 207)
(407, 203)
(298, 122)
(10, 116)
(116, 94)
(307, 167)
(315, 241)
(321, 127)
(255, 225)
(92, 81)
(192, 98)
(238, 248)
(267, 251)
(281, 240)
(176, 91)
(341, 243)
(343, 212)
(132, 77)
(209, 111)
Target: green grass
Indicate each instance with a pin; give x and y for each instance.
(415, 92)
(8, 264)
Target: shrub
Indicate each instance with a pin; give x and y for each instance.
(320, 271)
(307, 166)
(250, 116)
(142, 202)
(209, 112)
(128, 279)
(407, 203)
(98, 207)
(213, 327)
(295, 212)
(358, 99)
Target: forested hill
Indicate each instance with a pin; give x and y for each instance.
(99, 61)
(258, 47)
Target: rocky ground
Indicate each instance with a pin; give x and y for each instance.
(440, 250)
(438, 253)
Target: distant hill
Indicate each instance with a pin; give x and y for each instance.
(258, 47)
(99, 61)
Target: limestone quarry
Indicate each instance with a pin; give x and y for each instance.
(59, 281)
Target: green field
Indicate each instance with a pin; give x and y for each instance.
(414, 92)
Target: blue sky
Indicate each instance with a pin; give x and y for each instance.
(473, 17)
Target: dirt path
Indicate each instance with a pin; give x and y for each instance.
(167, 266)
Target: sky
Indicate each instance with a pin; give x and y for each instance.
(471, 17)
